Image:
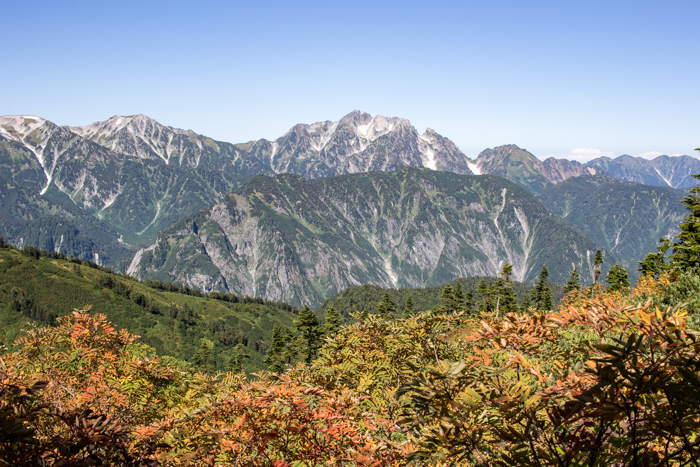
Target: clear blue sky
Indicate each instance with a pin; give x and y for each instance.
(612, 76)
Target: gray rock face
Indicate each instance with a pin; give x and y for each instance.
(302, 241)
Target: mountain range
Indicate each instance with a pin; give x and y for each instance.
(113, 192)
(301, 241)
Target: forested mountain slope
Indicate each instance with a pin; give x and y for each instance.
(626, 219)
(135, 178)
(302, 241)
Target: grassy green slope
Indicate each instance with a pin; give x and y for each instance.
(39, 289)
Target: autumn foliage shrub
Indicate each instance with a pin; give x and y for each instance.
(82, 393)
(601, 385)
(613, 380)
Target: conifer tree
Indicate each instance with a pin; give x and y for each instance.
(458, 296)
(310, 333)
(235, 363)
(573, 282)
(525, 306)
(655, 263)
(447, 298)
(203, 355)
(332, 321)
(596, 266)
(274, 360)
(469, 302)
(686, 249)
(505, 299)
(481, 291)
(289, 353)
(408, 307)
(541, 295)
(486, 296)
(387, 306)
(617, 278)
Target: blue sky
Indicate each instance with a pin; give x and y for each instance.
(568, 79)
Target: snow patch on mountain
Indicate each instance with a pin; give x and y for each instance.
(474, 168)
(321, 133)
(362, 130)
(668, 182)
(430, 163)
(376, 127)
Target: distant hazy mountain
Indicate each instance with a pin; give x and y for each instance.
(302, 241)
(625, 218)
(668, 171)
(522, 167)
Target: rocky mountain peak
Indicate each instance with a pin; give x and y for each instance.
(26, 129)
(134, 135)
(522, 167)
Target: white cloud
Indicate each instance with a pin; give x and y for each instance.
(586, 154)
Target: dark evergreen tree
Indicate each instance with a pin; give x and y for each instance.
(289, 353)
(617, 278)
(458, 296)
(274, 359)
(451, 298)
(240, 354)
(686, 248)
(481, 292)
(486, 294)
(541, 295)
(469, 302)
(310, 332)
(505, 297)
(447, 298)
(573, 282)
(527, 303)
(655, 263)
(387, 306)
(202, 358)
(597, 262)
(408, 307)
(332, 324)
